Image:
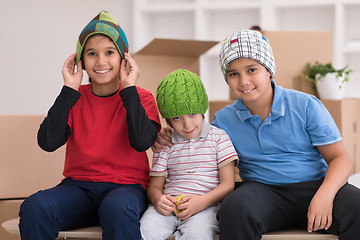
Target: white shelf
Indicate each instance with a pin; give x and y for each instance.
(353, 49)
(221, 21)
(299, 17)
(159, 8)
(352, 30)
(220, 6)
(307, 3)
(215, 19)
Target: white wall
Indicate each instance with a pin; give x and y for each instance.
(36, 37)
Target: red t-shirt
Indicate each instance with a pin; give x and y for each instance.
(98, 148)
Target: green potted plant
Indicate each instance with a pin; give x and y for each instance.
(328, 81)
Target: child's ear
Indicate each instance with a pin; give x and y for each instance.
(269, 73)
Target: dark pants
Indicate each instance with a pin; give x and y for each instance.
(253, 209)
(72, 204)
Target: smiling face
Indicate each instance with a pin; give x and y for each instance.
(102, 64)
(250, 81)
(187, 126)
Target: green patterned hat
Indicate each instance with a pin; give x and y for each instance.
(181, 92)
(105, 24)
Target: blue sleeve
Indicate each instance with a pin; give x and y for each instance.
(320, 125)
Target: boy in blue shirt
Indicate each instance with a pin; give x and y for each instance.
(292, 160)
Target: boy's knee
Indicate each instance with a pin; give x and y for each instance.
(235, 210)
(232, 205)
(120, 206)
(199, 231)
(35, 205)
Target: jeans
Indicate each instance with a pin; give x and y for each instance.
(117, 208)
(201, 226)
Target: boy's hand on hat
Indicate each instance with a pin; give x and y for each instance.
(163, 141)
(128, 79)
(72, 77)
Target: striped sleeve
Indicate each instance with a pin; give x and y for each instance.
(225, 149)
(159, 166)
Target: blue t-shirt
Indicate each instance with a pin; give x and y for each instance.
(282, 148)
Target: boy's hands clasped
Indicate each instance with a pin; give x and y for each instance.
(163, 140)
(189, 205)
(165, 205)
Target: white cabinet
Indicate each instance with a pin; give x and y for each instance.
(215, 19)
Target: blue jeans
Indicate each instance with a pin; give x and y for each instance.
(73, 204)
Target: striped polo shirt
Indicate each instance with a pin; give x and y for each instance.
(192, 165)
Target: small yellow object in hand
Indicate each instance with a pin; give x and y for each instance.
(178, 198)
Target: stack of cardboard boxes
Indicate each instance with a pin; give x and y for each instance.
(292, 50)
(24, 167)
(346, 114)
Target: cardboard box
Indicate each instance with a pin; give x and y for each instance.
(24, 167)
(292, 51)
(215, 106)
(346, 114)
(162, 56)
(9, 209)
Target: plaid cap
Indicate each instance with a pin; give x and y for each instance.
(105, 24)
(246, 44)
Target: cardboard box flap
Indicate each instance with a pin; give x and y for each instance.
(173, 47)
(162, 56)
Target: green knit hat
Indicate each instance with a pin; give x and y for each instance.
(105, 24)
(181, 92)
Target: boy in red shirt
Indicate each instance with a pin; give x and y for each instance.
(107, 126)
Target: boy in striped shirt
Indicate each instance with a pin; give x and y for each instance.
(189, 179)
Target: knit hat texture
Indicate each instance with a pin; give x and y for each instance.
(105, 24)
(246, 44)
(181, 92)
